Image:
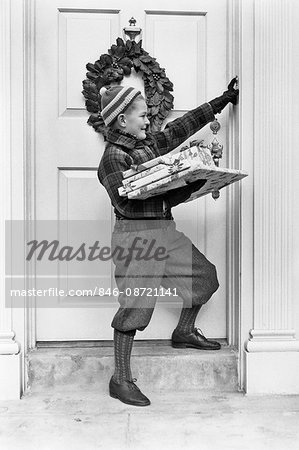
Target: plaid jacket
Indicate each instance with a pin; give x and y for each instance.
(122, 150)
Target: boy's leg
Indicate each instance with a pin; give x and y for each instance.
(123, 343)
(195, 291)
(122, 385)
(204, 284)
(136, 277)
(186, 323)
(139, 279)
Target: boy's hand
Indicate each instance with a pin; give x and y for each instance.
(229, 96)
(180, 195)
(231, 92)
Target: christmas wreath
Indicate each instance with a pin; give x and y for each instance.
(111, 68)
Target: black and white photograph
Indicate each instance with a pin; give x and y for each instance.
(149, 232)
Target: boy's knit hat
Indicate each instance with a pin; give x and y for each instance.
(115, 100)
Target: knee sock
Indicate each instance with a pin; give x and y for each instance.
(187, 319)
(123, 343)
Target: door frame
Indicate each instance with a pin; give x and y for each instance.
(239, 220)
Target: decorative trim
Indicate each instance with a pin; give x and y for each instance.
(174, 13)
(240, 222)
(5, 211)
(272, 341)
(5, 194)
(89, 10)
(233, 194)
(8, 345)
(272, 165)
(273, 306)
(29, 144)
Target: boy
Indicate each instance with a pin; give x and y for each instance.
(124, 112)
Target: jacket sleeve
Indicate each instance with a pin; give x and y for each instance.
(177, 131)
(113, 163)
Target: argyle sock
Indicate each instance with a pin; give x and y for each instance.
(123, 343)
(187, 319)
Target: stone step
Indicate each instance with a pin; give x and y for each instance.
(156, 366)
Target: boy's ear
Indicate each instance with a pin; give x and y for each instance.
(121, 120)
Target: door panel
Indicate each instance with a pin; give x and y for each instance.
(186, 42)
(181, 35)
(78, 32)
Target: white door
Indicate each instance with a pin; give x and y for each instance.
(188, 39)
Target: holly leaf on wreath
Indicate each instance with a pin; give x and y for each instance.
(150, 91)
(146, 58)
(120, 42)
(128, 45)
(152, 83)
(162, 110)
(155, 110)
(99, 66)
(126, 62)
(97, 124)
(105, 60)
(90, 95)
(144, 68)
(157, 99)
(92, 76)
(91, 106)
(160, 87)
(168, 98)
(93, 118)
(90, 67)
(167, 84)
(157, 69)
(127, 71)
(85, 93)
(137, 48)
(130, 50)
(136, 64)
(118, 52)
(87, 85)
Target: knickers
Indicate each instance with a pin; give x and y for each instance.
(172, 262)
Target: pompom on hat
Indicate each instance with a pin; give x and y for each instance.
(115, 100)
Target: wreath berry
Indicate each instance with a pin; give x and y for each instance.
(111, 68)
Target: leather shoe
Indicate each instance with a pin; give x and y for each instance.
(127, 392)
(193, 340)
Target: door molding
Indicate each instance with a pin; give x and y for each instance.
(10, 347)
(240, 215)
(234, 204)
(29, 144)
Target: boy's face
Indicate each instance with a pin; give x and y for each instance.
(136, 119)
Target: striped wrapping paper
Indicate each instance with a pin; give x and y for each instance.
(162, 174)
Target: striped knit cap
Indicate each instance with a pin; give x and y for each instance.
(115, 100)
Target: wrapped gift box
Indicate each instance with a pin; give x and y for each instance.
(164, 173)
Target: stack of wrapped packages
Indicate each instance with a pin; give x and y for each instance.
(172, 171)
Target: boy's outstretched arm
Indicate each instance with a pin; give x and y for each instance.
(177, 131)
